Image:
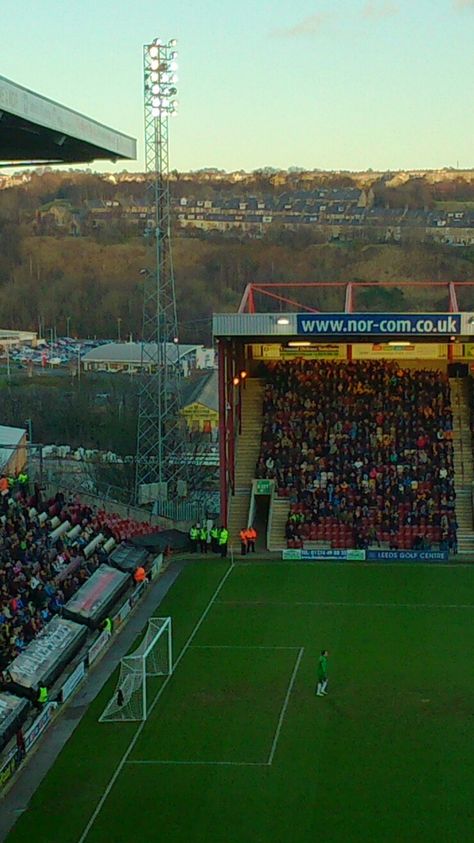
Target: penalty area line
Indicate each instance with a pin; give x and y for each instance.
(208, 763)
(284, 707)
(243, 647)
(137, 734)
(345, 604)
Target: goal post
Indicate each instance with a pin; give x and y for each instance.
(152, 657)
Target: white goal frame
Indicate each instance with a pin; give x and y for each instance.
(149, 659)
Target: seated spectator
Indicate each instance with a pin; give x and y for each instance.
(37, 577)
(363, 452)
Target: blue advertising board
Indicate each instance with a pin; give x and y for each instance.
(379, 324)
(407, 555)
(354, 555)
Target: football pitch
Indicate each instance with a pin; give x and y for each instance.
(238, 749)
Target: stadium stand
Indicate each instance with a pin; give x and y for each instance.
(47, 551)
(363, 452)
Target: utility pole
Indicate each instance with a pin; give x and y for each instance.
(29, 425)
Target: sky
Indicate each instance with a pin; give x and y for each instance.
(328, 84)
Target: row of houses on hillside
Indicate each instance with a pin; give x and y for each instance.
(336, 214)
(340, 220)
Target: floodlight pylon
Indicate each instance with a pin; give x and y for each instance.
(161, 436)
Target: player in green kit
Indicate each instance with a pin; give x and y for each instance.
(322, 674)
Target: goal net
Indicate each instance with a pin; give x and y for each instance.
(153, 657)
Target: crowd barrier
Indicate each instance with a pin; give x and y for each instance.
(16, 754)
(127, 558)
(13, 713)
(45, 658)
(92, 603)
(39, 666)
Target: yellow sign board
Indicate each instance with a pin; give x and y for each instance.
(323, 351)
(411, 351)
(197, 415)
(327, 351)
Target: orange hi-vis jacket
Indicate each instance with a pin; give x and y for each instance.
(251, 534)
(243, 536)
(139, 575)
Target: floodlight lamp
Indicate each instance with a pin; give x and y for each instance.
(173, 65)
(172, 42)
(155, 112)
(243, 374)
(172, 92)
(173, 56)
(154, 64)
(153, 51)
(154, 76)
(235, 381)
(176, 340)
(157, 41)
(155, 102)
(155, 89)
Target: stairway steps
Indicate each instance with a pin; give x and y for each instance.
(246, 456)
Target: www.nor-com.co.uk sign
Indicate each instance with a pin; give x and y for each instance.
(379, 324)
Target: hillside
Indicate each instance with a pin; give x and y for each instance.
(49, 279)
(51, 272)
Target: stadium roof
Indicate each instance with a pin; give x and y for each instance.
(203, 390)
(37, 130)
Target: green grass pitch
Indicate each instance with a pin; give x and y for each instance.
(237, 748)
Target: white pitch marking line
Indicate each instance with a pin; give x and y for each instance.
(210, 763)
(348, 605)
(242, 647)
(137, 734)
(285, 706)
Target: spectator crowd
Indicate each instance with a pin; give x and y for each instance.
(363, 451)
(40, 572)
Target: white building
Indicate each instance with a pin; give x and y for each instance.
(13, 338)
(132, 357)
(13, 454)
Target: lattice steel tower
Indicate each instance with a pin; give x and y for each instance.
(160, 439)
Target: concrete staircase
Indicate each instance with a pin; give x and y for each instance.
(246, 456)
(463, 463)
(279, 516)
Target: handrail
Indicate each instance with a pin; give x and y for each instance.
(462, 474)
(460, 430)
